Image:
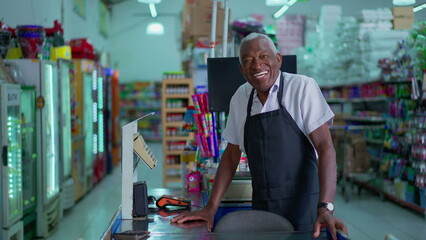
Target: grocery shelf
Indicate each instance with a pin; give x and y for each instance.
(176, 110)
(172, 124)
(177, 96)
(171, 93)
(172, 166)
(172, 179)
(365, 119)
(348, 84)
(355, 100)
(391, 197)
(178, 138)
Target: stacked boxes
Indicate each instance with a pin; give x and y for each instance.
(357, 160)
(403, 18)
(197, 20)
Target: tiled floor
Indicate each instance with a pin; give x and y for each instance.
(367, 217)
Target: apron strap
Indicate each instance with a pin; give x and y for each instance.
(280, 91)
(250, 103)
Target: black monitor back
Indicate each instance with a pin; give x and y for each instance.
(224, 78)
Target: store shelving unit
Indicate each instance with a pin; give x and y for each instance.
(138, 99)
(176, 96)
(392, 104)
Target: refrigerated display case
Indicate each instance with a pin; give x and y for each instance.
(82, 124)
(115, 117)
(90, 120)
(112, 115)
(107, 73)
(43, 75)
(99, 166)
(29, 160)
(11, 162)
(67, 183)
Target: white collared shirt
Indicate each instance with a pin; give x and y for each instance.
(302, 98)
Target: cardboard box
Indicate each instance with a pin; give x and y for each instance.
(403, 18)
(201, 21)
(197, 18)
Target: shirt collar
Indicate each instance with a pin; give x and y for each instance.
(274, 88)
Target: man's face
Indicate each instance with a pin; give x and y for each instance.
(260, 66)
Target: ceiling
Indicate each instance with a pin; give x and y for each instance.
(240, 8)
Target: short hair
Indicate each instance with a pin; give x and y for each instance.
(255, 35)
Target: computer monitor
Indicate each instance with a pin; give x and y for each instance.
(224, 78)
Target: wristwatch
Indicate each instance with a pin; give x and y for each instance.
(326, 205)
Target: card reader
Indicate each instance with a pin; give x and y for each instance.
(168, 200)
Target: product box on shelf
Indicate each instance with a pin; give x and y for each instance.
(403, 18)
(197, 18)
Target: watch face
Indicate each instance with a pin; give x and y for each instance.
(328, 206)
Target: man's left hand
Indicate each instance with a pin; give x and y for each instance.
(327, 219)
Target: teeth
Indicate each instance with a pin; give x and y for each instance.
(261, 73)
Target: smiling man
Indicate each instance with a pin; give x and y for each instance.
(281, 121)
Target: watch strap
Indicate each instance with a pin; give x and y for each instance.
(326, 205)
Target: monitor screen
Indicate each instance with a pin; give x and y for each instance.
(224, 78)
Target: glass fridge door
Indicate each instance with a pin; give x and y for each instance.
(29, 147)
(101, 125)
(66, 117)
(50, 131)
(88, 119)
(12, 165)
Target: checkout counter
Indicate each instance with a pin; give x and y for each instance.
(156, 224)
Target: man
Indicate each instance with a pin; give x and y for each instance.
(281, 121)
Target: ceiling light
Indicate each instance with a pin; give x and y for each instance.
(280, 12)
(403, 2)
(275, 2)
(149, 1)
(153, 10)
(420, 7)
(284, 9)
(155, 28)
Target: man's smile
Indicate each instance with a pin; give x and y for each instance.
(260, 74)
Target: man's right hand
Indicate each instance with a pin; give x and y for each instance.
(205, 214)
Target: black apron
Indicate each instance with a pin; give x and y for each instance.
(283, 165)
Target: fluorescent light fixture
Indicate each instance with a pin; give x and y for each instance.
(284, 9)
(403, 2)
(153, 10)
(291, 2)
(420, 7)
(280, 12)
(149, 1)
(155, 28)
(276, 2)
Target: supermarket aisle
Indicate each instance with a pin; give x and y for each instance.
(367, 217)
(88, 219)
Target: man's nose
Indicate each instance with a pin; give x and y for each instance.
(257, 63)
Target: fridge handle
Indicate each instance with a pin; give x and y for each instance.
(4, 155)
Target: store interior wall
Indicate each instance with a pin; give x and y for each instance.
(140, 57)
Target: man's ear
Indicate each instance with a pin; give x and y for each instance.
(279, 58)
(241, 69)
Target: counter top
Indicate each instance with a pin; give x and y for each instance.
(157, 223)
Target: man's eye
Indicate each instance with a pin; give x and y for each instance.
(264, 56)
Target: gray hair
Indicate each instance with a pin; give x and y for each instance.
(255, 35)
